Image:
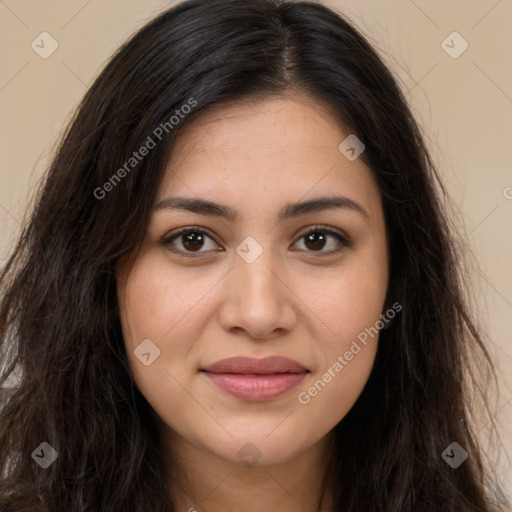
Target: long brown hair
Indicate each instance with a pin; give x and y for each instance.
(59, 316)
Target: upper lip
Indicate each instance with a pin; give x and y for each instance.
(246, 365)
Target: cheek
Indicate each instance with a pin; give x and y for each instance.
(330, 395)
(159, 299)
(351, 307)
(346, 301)
(349, 303)
(150, 311)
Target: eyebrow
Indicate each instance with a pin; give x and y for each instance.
(288, 211)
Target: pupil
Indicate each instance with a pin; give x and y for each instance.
(315, 240)
(193, 241)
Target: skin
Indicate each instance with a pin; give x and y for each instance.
(290, 301)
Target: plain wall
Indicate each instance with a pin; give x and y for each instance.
(463, 104)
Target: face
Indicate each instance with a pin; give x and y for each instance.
(274, 275)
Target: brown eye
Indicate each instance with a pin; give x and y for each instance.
(192, 241)
(187, 241)
(315, 241)
(318, 238)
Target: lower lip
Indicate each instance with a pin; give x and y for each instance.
(256, 388)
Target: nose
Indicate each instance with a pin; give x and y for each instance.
(257, 300)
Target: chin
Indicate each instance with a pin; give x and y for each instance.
(250, 451)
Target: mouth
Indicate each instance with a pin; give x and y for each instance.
(255, 380)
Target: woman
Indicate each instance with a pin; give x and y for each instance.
(238, 290)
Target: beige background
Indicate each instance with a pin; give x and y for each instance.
(464, 105)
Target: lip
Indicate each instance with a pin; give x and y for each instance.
(264, 366)
(255, 380)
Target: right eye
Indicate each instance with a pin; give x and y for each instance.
(191, 239)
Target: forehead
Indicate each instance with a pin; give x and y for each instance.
(281, 147)
(272, 124)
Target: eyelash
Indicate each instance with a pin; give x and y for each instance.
(166, 241)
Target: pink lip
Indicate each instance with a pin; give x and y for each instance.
(255, 380)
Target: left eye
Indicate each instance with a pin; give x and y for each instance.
(193, 241)
(317, 239)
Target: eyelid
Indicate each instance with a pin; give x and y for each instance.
(326, 229)
(186, 229)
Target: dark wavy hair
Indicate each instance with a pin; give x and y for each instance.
(59, 314)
